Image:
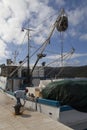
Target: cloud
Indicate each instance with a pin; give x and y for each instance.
(73, 32)
(83, 37)
(3, 51)
(72, 63)
(12, 16)
(76, 16)
(74, 56)
(77, 20)
(53, 56)
(55, 60)
(60, 2)
(15, 14)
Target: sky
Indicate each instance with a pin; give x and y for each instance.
(39, 16)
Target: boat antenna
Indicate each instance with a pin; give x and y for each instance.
(15, 54)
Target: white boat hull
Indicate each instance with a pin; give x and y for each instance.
(63, 114)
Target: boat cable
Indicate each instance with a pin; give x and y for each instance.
(42, 22)
(54, 61)
(62, 69)
(18, 67)
(66, 56)
(20, 48)
(40, 55)
(43, 46)
(40, 32)
(48, 40)
(38, 25)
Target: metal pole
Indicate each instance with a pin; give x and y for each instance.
(28, 61)
(61, 35)
(29, 75)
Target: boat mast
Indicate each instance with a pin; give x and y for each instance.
(29, 80)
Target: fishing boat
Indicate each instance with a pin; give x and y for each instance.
(18, 77)
(15, 75)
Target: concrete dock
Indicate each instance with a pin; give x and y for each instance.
(29, 120)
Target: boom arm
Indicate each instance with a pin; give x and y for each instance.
(47, 41)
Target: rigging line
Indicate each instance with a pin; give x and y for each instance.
(47, 19)
(69, 37)
(43, 45)
(48, 39)
(45, 50)
(23, 48)
(69, 57)
(49, 36)
(19, 48)
(52, 52)
(66, 55)
(56, 13)
(39, 48)
(51, 32)
(36, 51)
(56, 60)
(22, 42)
(60, 69)
(63, 67)
(39, 31)
(18, 67)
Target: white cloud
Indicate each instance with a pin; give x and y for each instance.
(77, 55)
(60, 2)
(83, 37)
(53, 57)
(77, 22)
(76, 16)
(72, 63)
(65, 56)
(14, 13)
(3, 51)
(73, 32)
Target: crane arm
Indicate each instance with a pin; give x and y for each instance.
(47, 40)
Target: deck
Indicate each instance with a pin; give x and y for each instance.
(29, 120)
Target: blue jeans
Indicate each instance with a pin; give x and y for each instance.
(18, 101)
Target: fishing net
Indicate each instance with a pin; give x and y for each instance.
(68, 92)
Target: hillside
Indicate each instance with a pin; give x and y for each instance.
(80, 71)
